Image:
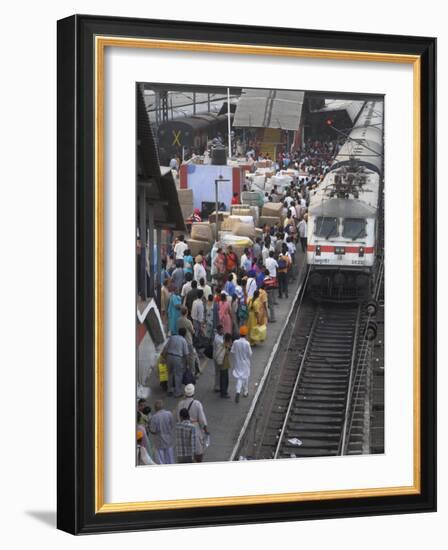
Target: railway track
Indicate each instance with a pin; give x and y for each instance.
(304, 410)
(317, 399)
(315, 420)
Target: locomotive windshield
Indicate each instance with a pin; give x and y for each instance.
(354, 228)
(326, 227)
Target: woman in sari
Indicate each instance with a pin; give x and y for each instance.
(263, 317)
(164, 302)
(220, 265)
(174, 313)
(224, 314)
(257, 319)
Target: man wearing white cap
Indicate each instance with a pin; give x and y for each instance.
(197, 418)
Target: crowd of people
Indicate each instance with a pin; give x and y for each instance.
(217, 306)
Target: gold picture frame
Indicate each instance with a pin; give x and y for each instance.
(79, 35)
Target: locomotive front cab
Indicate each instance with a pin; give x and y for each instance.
(341, 253)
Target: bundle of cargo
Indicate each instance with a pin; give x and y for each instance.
(252, 198)
(221, 216)
(240, 210)
(273, 209)
(197, 247)
(201, 231)
(246, 211)
(237, 242)
(259, 180)
(232, 221)
(186, 202)
(268, 220)
(245, 230)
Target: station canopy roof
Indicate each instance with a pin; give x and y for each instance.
(160, 188)
(352, 108)
(259, 108)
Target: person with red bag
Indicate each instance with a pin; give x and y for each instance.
(270, 284)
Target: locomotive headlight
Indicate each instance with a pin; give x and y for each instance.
(318, 250)
(361, 252)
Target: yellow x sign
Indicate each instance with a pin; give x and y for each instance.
(176, 135)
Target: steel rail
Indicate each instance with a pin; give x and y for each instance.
(363, 355)
(296, 383)
(342, 442)
(297, 303)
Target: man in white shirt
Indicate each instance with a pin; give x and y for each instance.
(206, 288)
(251, 284)
(267, 247)
(180, 248)
(245, 263)
(303, 232)
(241, 353)
(187, 285)
(271, 265)
(199, 270)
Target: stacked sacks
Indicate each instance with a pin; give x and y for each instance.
(245, 230)
(274, 210)
(272, 214)
(253, 198)
(221, 216)
(241, 210)
(199, 247)
(230, 223)
(201, 231)
(202, 237)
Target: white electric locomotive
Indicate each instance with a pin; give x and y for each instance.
(343, 214)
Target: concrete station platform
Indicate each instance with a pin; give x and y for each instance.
(225, 417)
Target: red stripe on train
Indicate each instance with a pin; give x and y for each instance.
(348, 249)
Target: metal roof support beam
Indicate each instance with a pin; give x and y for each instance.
(150, 210)
(142, 228)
